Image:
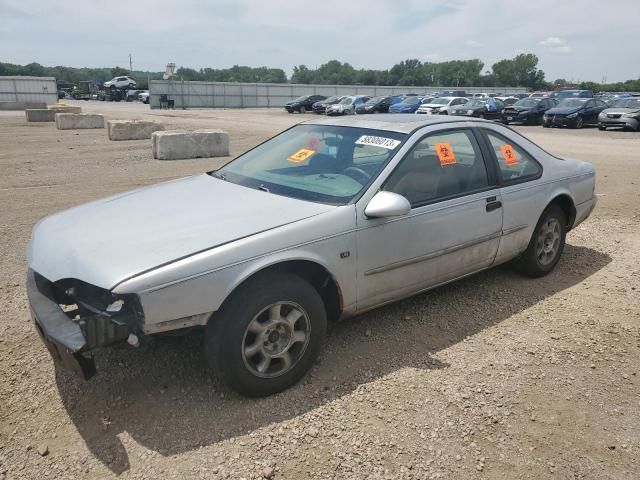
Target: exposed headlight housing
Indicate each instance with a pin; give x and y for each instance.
(469, 112)
(631, 115)
(572, 115)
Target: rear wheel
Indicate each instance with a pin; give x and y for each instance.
(546, 244)
(267, 335)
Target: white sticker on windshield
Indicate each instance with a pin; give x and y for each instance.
(388, 143)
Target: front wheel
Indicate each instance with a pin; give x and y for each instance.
(302, 109)
(579, 122)
(546, 244)
(267, 335)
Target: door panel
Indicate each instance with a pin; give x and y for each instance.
(431, 245)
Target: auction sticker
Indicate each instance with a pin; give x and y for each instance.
(301, 155)
(388, 143)
(445, 154)
(509, 155)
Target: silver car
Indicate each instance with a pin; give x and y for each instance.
(324, 221)
(346, 106)
(623, 112)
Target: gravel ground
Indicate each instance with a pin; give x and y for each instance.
(492, 377)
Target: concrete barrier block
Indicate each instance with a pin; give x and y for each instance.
(74, 121)
(40, 115)
(22, 105)
(132, 129)
(178, 145)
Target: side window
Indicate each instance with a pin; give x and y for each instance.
(439, 166)
(514, 163)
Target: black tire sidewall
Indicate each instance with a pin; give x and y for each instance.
(225, 332)
(528, 262)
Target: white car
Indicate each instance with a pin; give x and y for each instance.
(121, 82)
(144, 97)
(440, 105)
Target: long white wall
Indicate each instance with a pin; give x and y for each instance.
(245, 95)
(28, 89)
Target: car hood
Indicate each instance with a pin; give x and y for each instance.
(433, 105)
(107, 241)
(519, 108)
(563, 110)
(620, 110)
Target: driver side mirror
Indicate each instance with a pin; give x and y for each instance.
(387, 204)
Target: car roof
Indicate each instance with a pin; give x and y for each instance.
(394, 122)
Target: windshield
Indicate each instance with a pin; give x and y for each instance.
(346, 101)
(319, 163)
(528, 102)
(332, 99)
(300, 99)
(570, 93)
(572, 102)
(411, 100)
(475, 103)
(375, 100)
(440, 101)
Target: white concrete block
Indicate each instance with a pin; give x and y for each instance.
(40, 115)
(22, 105)
(132, 129)
(178, 145)
(74, 121)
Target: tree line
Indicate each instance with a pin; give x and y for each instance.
(520, 71)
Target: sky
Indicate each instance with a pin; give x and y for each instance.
(574, 39)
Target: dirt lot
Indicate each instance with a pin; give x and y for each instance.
(492, 377)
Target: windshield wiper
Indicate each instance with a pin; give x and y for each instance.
(263, 188)
(221, 176)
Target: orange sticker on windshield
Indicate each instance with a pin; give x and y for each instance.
(301, 155)
(445, 154)
(509, 155)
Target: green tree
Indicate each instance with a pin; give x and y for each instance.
(119, 72)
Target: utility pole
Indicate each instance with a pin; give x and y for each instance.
(130, 64)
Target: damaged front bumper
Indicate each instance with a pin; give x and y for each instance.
(71, 336)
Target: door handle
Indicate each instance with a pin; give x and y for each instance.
(491, 206)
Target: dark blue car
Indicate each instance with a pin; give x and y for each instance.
(574, 112)
(528, 110)
(408, 105)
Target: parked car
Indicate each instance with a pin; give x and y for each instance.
(479, 108)
(347, 106)
(144, 97)
(441, 105)
(520, 96)
(303, 104)
(453, 93)
(528, 110)
(321, 106)
(133, 95)
(624, 112)
(538, 94)
(120, 83)
(574, 112)
(507, 100)
(562, 94)
(358, 212)
(407, 105)
(378, 104)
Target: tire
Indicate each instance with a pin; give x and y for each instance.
(544, 125)
(579, 123)
(302, 109)
(546, 245)
(601, 127)
(233, 347)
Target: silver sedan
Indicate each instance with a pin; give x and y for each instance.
(324, 221)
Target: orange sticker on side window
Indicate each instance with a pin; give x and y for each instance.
(301, 155)
(509, 155)
(445, 154)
